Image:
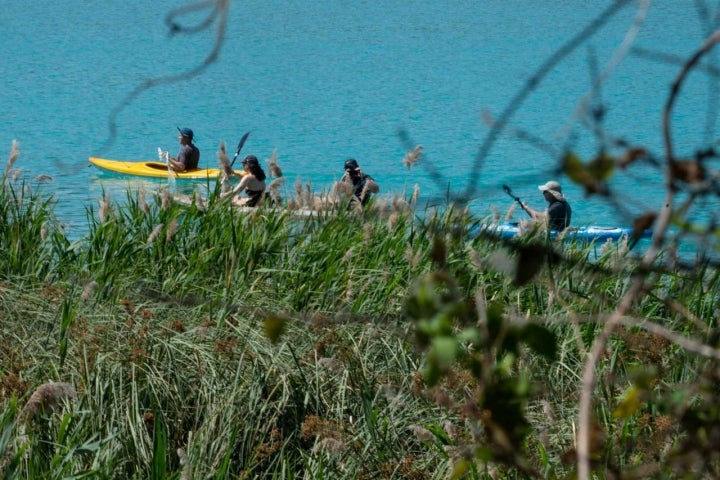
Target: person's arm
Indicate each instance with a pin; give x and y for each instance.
(535, 214)
(176, 163)
(239, 188)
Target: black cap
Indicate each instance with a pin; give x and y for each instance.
(351, 164)
(186, 132)
(251, 159)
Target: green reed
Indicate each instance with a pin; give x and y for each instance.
(159, 319)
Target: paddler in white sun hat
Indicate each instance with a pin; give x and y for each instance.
(558, 213)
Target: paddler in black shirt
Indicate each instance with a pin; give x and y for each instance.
(558, 212)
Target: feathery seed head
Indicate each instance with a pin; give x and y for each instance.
(14, 154)
(299, 189)
(89, 290)
(421, 433)
(172, 228)
(104, 208)
(155, 233)
(412, 157)
(47, 397)
(142, 203)
(273, 166)
(343, 189)
(330, 445)
(165, 199)
(415, 194)
(393, 220)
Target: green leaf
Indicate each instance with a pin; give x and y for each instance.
(432, 373)
(274, 326)
(602, 166)
(160, 446)
(592, 175)
(575, 169)
(471, 335)
(441, 325)
(643, 376)
(439, 433)
(438, 254)
(541, 340)
(494, 314)
(423, 302)
(445, 350)
(484, 454)
(629, 403)
(530, 261)
(460, 469)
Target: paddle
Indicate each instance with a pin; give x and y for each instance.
(239, 147)
(171, 172)
(514, 197)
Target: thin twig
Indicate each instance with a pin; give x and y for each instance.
(620, 53)
(639, 282)
(532, 83)
(220, 12)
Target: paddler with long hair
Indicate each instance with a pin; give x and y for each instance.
(253, 183)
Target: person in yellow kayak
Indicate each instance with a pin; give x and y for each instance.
(189, 155)
(253, 182)
(558, 212)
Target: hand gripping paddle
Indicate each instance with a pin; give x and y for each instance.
(516, 198)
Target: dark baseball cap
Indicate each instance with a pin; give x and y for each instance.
(186, 132)
(251, 159)
(351, 164)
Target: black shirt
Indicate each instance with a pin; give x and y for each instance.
(559, 213)
(189, 156)
(359, 182)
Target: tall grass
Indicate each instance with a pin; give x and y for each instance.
(205, 342)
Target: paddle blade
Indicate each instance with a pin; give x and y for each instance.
(239, 147)
(509, 192)
(242, 142)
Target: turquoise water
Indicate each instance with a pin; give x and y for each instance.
(320, 81)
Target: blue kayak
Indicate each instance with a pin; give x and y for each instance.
(588, 234)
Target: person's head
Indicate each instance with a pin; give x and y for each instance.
(552, 191)
(351, 166)
(185, 135)
(252, 165)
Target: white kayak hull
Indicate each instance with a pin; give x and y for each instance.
(587, 234)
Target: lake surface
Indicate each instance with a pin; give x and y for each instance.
(321, 81)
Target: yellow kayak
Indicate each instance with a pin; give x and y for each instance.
(150, 168)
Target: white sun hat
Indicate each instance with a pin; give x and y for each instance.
(554, 188)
